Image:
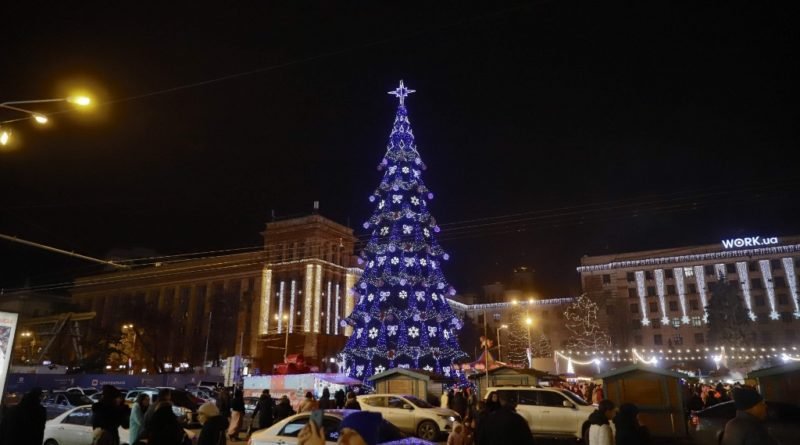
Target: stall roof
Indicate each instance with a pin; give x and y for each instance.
(415, 373)
(338, 379)
(640, 367)
(526, 371)
(775, 370)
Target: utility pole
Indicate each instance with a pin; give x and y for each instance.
(486, 349)
(208, 335)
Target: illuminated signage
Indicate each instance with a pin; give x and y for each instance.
(8, 329)
(750, 241)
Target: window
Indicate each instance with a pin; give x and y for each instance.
(693, 305)
(697, 320)
(609, 310)
(653, 307)
(709, 270)
(657, 340)
(81, 416)
(699, 339)
(676, 322)
(496, 317)
(670, 289)
(755, 283)
(673, 306)
(292, 429)
(677, 340)
(632, 293)
(759, 300)
(783, 299)
(375, 401)
(648, 275)
(528, 398)
(752, 266)
(396, 402)
(786, 317)
(655, 323)
(688, 271)
(630, 276)
(637, 340)
(730, 268)
(634, 308)
(775, 264)
(692, 288)
(549, 398)
(668, 274)
(779, 281)
(651, 291)
(606, 278)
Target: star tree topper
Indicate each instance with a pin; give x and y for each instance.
(401, 92)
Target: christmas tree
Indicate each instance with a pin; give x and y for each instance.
(542, 347)
(518, 343)
(728, 321)
(402, 317)
(581, 320)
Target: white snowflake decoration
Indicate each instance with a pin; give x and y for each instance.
(406, 366)
(402, 294)
(428, 368)
(426, 232)
(381, 260)
(358, 332)
(405, 170)
(423, 262)
(446, 371)
(407, 229)
(446, 334)
(359, 370)
(409, 262)
(415, 200)
(370, 297)
(371, 264)
(433, 264)
(392, 169)
(413, 332)
(420, 295)
(395, 260)
(384, 230)
(385, 295)
(397, 199)
(381, 204)
(391, 330)
(432, 331)
(379, 369)
(373, 333)
(417, 173)
(434, 296)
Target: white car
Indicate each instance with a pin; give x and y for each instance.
(74, 427)
(85, 391)
(550, 412)
(410, 414)
(284, 432)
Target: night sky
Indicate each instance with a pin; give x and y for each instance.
(561, 128)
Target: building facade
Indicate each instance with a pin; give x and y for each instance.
(293, 292)
(656, 299)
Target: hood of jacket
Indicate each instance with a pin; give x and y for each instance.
(597, 418)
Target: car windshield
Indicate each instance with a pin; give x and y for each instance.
(418, 402)
(89, 391)
(575, 398)
(76, 399)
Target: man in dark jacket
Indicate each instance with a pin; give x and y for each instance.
(339, 397)
(108, 415)
(504, 426)
(264, 408)
(24, 423)
(747, 428)
(214, 424)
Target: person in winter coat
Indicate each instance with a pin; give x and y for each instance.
(308, 404)
(108, 415)
(600, 432)
(264, 410)
(237, 414)
(444, 400)
(352, 402)
(598, 395)
(138, 411)
(339, 396)
(629, 430)
(458, 435)
(224, 403)
(214, 425)
(748, 427)
(24, 423)
(283, 409)
(361, 428)
(164, 428)
(460, 404)
(504, 425)
(325, 401)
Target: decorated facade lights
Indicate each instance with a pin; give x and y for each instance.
(791, 278)
(641, 292)
(679, 283)
(651, 361)
(700, 278)
(660, 293)
(744, 279)
(766, 272)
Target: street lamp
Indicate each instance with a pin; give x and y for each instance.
(39, 118)
(286, 341)
(499, 351)
(127, 327)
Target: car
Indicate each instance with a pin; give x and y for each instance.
(411, 414)
(85, 391)
(250, 405)
(284, 432)
(184, 405)
(58, 402)
(96, 397)
(550, 412)
(783, 422)
(74, 427)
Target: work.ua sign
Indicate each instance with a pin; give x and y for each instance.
(750, 241)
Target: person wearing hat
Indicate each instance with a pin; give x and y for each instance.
(264, 409)
(358, 428)
(748, 427)
(108, 415)
(214, 425)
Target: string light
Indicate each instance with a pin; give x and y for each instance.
(788, 268)
(678, 274)
(744, 279)
(700, 277)
(641, 292)
(766, 272)
(660, 293)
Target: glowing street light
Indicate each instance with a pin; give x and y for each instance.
(499, 350)
(39, 118)
(4, 137)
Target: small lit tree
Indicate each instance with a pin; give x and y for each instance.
(581, 320)
(516, 351)
(542, 347)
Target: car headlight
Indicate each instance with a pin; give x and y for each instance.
(447, 418)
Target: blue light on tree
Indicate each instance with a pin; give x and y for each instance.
(402, 318)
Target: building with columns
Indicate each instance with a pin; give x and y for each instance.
(187, 311)
(656, 299)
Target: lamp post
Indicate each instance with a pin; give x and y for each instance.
(130, 328)
(39, 118)
(286, 341)
(499, 350)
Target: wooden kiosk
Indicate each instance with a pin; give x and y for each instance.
(779, 383)
(422, 384)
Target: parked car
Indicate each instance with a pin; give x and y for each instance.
(184, 405)
(550, 412)
(74, 427)
(410, 414)
(285, 431)
(250, 405)
(85, 391)
(58, 402)
(783, 422)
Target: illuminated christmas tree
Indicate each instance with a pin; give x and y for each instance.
(542, 347)
(402, 317)
(517, 350)
(581, 320)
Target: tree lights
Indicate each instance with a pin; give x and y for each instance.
(402, 317)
